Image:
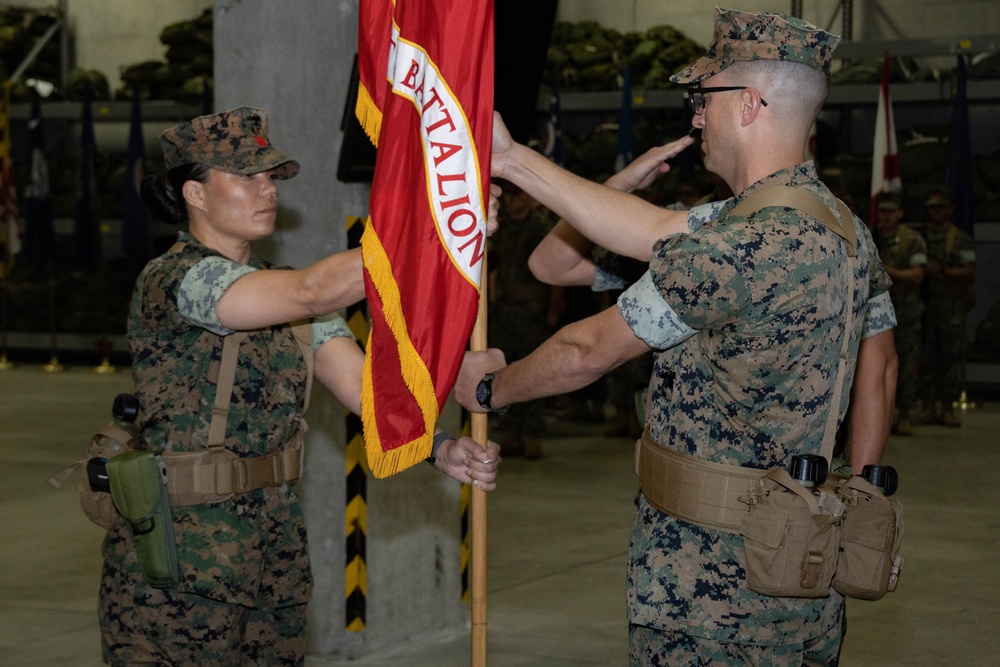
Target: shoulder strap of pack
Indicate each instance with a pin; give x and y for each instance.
(224, 389)
(808, 203)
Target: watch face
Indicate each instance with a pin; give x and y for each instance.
(483, 393)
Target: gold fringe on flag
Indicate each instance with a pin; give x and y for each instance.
(415, 374)
(368, 114)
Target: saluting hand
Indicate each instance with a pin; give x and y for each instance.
(643, 170)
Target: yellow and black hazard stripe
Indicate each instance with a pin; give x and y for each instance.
(356, 528)
(356, 514)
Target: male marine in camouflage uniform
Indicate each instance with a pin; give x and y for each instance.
(745, 313)
(951, 270)
(904, 255)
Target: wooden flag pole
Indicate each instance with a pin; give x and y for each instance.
(478, 503)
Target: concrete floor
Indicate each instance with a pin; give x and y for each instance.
(558, 532)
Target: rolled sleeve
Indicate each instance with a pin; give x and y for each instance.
(202, 289)
(880, 316)
(650, 317)
(327, 328)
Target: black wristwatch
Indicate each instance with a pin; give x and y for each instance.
(484, 394)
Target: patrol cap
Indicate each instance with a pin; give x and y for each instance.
(889, 201)
(938, 198)
(743, 36)
(233, 141)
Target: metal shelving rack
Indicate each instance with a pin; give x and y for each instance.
(979, 91)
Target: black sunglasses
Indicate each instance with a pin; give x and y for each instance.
(696, 96)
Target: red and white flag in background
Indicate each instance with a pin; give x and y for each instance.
(885, 158)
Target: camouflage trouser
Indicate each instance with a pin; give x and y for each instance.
(149, 626)
(907, 339)
(650, 647)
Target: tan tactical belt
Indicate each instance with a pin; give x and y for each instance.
(208, 476)
(691, 489)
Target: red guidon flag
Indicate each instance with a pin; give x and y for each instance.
(426, 240)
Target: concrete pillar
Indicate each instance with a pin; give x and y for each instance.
(294, 59)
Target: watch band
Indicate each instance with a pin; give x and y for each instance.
(439, 438)
(484, 394)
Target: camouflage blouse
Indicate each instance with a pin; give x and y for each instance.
(253, 546)
(753, 308)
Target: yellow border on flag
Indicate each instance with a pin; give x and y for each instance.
(415, 373)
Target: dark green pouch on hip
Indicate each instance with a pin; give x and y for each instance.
(139, 489)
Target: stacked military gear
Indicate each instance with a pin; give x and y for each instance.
(188, 67)
(588, 57)
(20, 29)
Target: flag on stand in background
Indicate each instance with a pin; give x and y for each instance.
(555, 149)
(135, 226)
(10, 224)
(960, 143)
(625, 153)
(885, 158)
(39, 234)
(425, 243)
(86, 231)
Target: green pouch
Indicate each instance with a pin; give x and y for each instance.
(139, 490)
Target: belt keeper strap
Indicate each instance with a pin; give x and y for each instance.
(700, 492)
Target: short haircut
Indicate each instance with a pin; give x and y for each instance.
(794, 90)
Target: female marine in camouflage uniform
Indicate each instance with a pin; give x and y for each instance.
(244, 564)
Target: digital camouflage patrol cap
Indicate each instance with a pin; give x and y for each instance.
(233, 141)
(743, 36)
